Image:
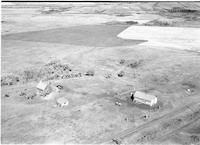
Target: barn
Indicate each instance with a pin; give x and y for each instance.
(143, 98)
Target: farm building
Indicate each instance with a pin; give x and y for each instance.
(143, 98)
(43, 88)
(61, 102)
(42, 85)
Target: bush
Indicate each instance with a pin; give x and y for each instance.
(52, 70)
(158, 23)
(122, 23)
(122, 61)
(134, 64)
(195, 138)
(28, 75)
(131, 22)
(121, 74)
(89, 73)
(181, 10)
(9, 80)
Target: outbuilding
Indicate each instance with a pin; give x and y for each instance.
(43, 88)
(143, 98)
(42, 85)
(61, 102)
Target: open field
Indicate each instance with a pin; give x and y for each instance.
(105, 36)
(174, 37)
(76, 47)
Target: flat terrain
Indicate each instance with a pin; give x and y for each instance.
(105, 36)
(56, 42)
(171, 37)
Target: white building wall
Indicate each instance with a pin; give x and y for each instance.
(140, 98)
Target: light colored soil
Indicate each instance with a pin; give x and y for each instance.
(172, 37)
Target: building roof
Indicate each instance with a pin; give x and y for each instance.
(62, 101)
(42, 85)
(144, 96)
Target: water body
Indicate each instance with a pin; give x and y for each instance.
(87, 35)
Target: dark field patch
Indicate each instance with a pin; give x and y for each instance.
(87, 35)
(195, 130)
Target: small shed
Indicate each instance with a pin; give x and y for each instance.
(42, 85)
(61, 102)
(43, 88)
(141, 97)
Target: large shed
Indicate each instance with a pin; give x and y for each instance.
(143, 98)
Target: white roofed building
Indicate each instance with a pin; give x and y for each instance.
(62, 102)
(43, 88)
(143, 98)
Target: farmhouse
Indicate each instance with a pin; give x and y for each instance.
(143, 98)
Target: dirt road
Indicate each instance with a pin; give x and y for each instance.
(133, 130)
(165, 136)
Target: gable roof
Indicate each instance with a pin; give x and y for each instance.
(144, 96)
(42, 85)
